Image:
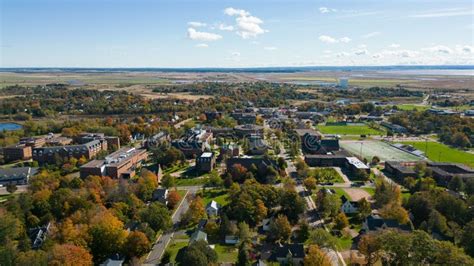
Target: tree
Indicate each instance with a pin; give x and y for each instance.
(395, 211)
(32, 258)
(11, 188)
(370, 247)
(461, 140)
(136, 245)
(157, 216)
(364, 209)
(316, 257)
(69, 255)
(292, 205)
(173, 199)
(310, 183)
(195, 212)
(437, 222)
(146, 184)
(197, 253)
(260, 211)
(280, 228)
(322, 238)
(238, 173)
(375, 160)
(330, 205)
(243, 257)
(168, 181)
(303, 231)
(386, 192)
(244, 232)
(467, 238)
(456, 184)
(341, 221)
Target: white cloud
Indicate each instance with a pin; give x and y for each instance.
(226, 27)
(468, 49)
(324, 10)
(342, 54)
(394, 45)
(450, 12)
(270, 48)
(236, 54)
(202, 45)
(196, 24)
(329, 39)
(327, 51)
(371, 34)
(441, 49)
(202, 36)
(377, 55)
(248, 26)
(362, 46)
(361, 52)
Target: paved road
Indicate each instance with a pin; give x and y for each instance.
(20, 189)
(162, 242)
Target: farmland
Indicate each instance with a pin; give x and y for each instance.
(442, 153)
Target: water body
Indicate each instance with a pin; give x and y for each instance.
(10, 126)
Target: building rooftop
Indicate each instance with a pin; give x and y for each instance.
(357, 163)
(207, 155)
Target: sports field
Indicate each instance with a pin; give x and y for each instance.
(439, 152)
(349, 129)
(377, 148)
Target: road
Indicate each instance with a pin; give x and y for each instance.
(20, 189)
(162, 242)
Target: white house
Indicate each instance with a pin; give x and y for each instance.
(231, 240)
(212, 208)
(349, 207)
(266, 224)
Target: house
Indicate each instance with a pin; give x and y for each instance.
(400, 170)
(38, 235)
(266, 224)
(197, 236)
(212, 209)
(394, 128)
(202, 224)
(289, 254)
(444, 172)
(17, 175)
(194, 143)
(206, 162)
(349, 207)
(161, 195)
(114, 260)
(157, 140)
(375, 223)
(248, 129)
(231, 240)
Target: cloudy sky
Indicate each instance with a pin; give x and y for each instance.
(244, 33)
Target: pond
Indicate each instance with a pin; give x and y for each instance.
(10, 126)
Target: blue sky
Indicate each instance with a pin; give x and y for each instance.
(215, 33)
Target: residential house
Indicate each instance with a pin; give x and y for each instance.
(38, 235)
(160, 195)
(375, 223)
(197, 236)
(114, 260)
(212, 209)
(349, 207)
(289, 254)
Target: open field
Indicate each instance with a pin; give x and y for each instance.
(356, 193)
(368, 149)
(409, 107)
(439, 152)
(349, 129)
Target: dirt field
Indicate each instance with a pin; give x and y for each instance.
(357, 193)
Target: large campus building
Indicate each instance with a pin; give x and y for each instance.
(50, 155)
(121, 163)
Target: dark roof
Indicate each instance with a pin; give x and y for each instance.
(159, 194)
(17, 172)
(376, 222)
(295, 251)
(344, 199)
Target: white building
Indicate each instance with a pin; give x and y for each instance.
(212, 209)
(349, 207)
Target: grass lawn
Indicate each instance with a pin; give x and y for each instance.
(344, 243)
(339, 191)
(174, 247)
(4, 198)
(327, 175)
(219, 195)
(175, 168)
(369, 190)
(439, 152)
(406, 195)
(226, 253)
(357, 129)
(409, 107)
(180, 182)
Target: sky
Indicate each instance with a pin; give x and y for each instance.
(244, 33)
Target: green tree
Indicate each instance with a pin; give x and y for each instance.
(136, 244)
(168, 181)
(243, 257)
(157, 216)
(330, 205)
(456, 184)
(322, 238)
(197, 253)
(341, 221)
(370, 247)
(364, 209)
(467, 238)
(11, 188)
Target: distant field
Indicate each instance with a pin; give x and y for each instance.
(439, 152)
(409, 107)
(377, 148)
(358, 129)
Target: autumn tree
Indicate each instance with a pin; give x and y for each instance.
(146, 184)
(370, 247)
(316, 257)
(70, 255)
(136, 244)
(173, 199)
(395, 211)
(341, 221)
(280, 228)
(310, 183)
(364, 209)
(195, 212)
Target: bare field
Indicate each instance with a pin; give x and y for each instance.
(357, 193)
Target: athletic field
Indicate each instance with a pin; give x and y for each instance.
(349, 129)
(377, 148)
(439, 152)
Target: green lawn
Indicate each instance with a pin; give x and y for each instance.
(326, 175)
(369, 190)
(439, 152)
(226, 253)
(344, 243)
(357, 129)
(218, 195)
(174, 247)
(409, 107)
(180, 182)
